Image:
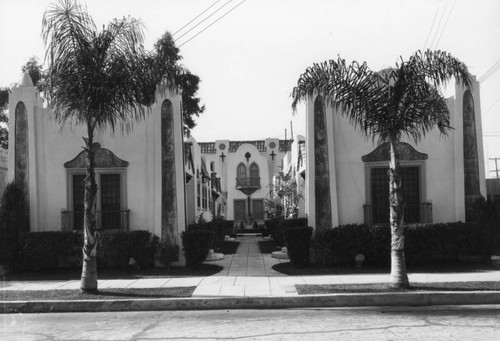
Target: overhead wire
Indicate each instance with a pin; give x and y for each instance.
(445, 23)
(201, 22)
(199, 15)
(439, 24)
(432, 25)
(197, 34)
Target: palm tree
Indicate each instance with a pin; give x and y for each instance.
(395, 103)
(100, 79)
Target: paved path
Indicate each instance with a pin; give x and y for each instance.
(248, 261)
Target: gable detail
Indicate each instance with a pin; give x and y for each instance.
(104, 158)
(406, 153)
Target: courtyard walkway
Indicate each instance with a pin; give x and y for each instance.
(248, 261)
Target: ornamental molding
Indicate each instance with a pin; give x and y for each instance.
(406, 153)
(104, 158)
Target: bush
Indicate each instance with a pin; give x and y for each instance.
(113, 250)
(143, 248)
(217, 228)
(272, 227)
(286, 224)
(298, 242)
(380, 251)
(196, 243)
(13, 224)
(46, 250)
(426, 243)
(339, 245)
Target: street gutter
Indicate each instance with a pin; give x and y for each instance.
(424, 298)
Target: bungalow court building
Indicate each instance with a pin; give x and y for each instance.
(140, 175)
(346, 175)
(151, 179)
(246, 169)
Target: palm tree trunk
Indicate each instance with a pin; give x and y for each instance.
(399, 276)
(89, 268)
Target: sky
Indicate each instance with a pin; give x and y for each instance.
(250, 58)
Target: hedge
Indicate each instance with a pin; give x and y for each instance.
(52, 249)
(424, 243)
(276, 227)
(45, 250)
(196, 244)
(298, 240)
(13, 224)
(339, 245)
(220, 229)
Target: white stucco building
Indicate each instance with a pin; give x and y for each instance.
(140, 175)
(441, 176)
(246, 169)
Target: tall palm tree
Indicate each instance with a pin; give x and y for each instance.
(395, 103)
(100, 79)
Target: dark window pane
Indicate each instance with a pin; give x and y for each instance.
(239, 210)
(110, 201)
(410, 178)
(258, 209)
(78, 200)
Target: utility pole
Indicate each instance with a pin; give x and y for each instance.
(496, 165)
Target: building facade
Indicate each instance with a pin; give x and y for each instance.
(246, 169)
(347, 181)
(140, 175)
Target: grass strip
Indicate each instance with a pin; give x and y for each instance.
(314, 289)
(104, 294)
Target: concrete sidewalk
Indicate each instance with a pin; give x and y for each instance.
(248, 281)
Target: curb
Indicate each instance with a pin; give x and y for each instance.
(310, 301)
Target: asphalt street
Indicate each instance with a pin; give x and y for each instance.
(370, 323)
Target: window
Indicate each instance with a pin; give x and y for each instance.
(108, 201)
(204, 198)
(258, 209)
(379, 179)
(198, 190)
(240, 213)
(242, 171)
(254, 174)
(78, 202)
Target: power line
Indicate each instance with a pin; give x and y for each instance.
(490, 71)
(201, 22)
(439, 24)
(199, 15)
(432, 26)
(445, 23)
(197, 34)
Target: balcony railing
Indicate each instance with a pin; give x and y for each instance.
(248, 182)
(379, 214)
(105, 220)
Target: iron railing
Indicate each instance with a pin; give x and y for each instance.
(248, 182)
(105, 220)
(379, 214)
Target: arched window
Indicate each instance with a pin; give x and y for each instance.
(254, 171)
(242, 171)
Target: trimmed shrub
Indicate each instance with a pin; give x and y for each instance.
(143, 248)
(196, 243)
(113, 250)
(286, 224)
(380, 251)
(46, 250)
(339, 245)
(13, 224)
(298, 242)
(272, 227)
